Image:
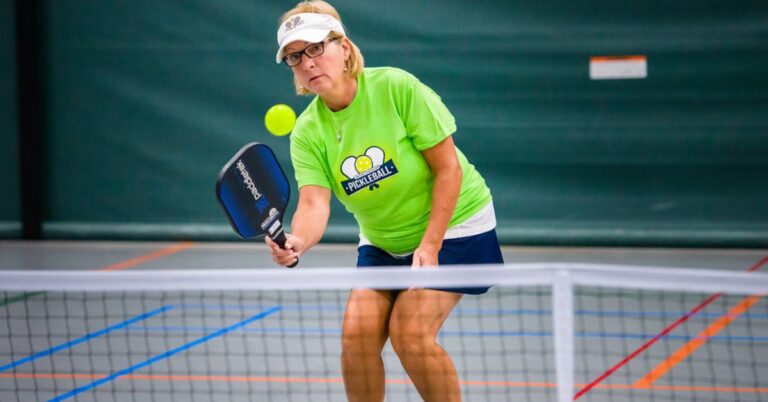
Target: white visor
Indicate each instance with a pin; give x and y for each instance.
(309, 27)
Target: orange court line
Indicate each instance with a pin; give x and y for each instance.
(691, 388)
(617, 58)
(686, 350)
(666, 330)
(118, 266)
(505, 384)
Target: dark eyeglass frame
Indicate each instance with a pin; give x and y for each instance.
(303, 52)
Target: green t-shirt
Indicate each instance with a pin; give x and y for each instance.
(369, 155)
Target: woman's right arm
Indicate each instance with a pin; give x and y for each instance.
(307, 227)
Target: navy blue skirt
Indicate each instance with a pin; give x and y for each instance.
(472, 250)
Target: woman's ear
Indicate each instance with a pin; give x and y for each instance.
(347, 48)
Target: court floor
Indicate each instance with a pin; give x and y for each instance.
(181, 255)
(490, 338)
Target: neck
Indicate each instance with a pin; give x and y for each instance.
(342, 96)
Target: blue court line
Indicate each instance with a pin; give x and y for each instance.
(481, 312)
(244, 307)
(659, 314)
(220, 332)
(202, 330)
(600, 335)
(511, 334)
(67, 345)
(717, 338)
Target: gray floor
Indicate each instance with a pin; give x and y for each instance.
(96, 255)
(500, 343)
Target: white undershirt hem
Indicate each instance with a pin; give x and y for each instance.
(482, 221)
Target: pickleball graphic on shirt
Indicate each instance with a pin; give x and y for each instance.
(366, 170)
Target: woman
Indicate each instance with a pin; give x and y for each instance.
(380, 140)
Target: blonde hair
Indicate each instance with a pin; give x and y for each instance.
(354, 64)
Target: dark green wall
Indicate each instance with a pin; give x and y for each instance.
(146, 100)
(9, 169)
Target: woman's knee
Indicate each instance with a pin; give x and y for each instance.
(365, 321)
(357, 336)
(410, 341)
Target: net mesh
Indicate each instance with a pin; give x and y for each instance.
(716, 352)
(130, 343)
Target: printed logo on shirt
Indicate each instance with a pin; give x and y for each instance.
(366, 170)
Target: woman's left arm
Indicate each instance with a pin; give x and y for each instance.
(444, 163)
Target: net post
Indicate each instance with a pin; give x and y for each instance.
(563, 330)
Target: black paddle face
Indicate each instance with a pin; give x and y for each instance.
(254, 192)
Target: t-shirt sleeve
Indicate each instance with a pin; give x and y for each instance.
(427, 120)
(307, 164)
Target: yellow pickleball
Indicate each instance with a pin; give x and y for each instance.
(363, 163)
(280, 119)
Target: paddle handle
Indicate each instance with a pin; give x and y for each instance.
(280, 239)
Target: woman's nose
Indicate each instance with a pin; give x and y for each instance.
(307, 62)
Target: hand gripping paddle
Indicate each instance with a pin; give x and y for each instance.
(254, 192)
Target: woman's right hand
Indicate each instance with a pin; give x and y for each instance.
(309, 222)
(294, 246)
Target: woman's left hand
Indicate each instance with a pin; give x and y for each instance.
(425, 257)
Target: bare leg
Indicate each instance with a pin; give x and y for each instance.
(364, 333)
(416, 318)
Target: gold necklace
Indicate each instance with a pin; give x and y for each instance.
(334, 123)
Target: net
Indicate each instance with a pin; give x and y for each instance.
(544, 332)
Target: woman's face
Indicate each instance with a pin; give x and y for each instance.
(322, 73)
